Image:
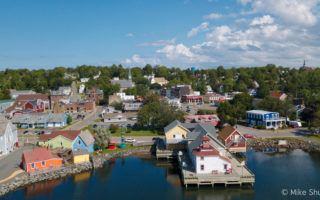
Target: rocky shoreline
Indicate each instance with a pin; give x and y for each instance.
(25, 179)
(290, 144)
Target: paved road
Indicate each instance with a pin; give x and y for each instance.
(88, 120)
(291, 132)
(11, 162)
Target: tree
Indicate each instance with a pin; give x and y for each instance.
(102, 138)
(156, 114)
(69, 119)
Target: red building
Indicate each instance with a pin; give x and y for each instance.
(191, 99)
(40, 159)
(232, 139)
(29, 103)
(206, 119)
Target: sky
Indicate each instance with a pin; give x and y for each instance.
(176, 33)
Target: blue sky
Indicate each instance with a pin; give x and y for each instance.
(183, 33)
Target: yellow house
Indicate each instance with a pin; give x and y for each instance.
(81, 156)
(175, 132)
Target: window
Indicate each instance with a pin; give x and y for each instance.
(201, 167)
(225, 166)
(43, 163)
(174, 136)
(201, 158)
(79, 142)
(32, 165)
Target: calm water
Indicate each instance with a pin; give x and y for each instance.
(136, 178)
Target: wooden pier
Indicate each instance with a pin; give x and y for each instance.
(240, 175)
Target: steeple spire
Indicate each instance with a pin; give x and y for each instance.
(129, 74)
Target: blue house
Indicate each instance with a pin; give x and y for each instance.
(84, 141)
(266, 119)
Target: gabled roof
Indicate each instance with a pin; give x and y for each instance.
(28, 97)
(86, 137)
(69, 134)
(38, 154)
(202, 129)
(122, 83)
(174, 124)
(226, 132)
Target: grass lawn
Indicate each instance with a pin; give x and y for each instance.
(138, 133)
(315, 137)
(117, 150)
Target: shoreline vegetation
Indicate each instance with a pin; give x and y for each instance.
(99, 159)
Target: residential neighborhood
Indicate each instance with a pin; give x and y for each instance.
(159, 100)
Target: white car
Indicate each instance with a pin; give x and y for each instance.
(130, 140)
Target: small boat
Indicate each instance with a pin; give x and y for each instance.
(122, 145)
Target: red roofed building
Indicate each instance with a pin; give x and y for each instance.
(191, 99)
(29, 103)
(206, 119)
(40, 159)
(208, 160)
(233, 139)
(278, 95)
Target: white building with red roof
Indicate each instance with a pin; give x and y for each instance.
(207, 159)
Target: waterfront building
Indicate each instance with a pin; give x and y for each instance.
(81, 156)
(234, 141)
(265, 119)
(210, 119)
(68, 139)
(175, 132)
(208, 160)
(40, 159)
(8, 136)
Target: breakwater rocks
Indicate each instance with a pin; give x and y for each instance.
(27, 179)
(289, 144)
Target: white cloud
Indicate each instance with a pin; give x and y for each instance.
(212, 16)
(138, 60)
(159, 43)
(194, 31)
(129, 35)
(264, 20)
(182, 53)
(300, 12)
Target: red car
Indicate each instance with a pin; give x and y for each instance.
(248, 136)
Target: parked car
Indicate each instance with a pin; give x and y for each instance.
(130, 140)
(248, 136)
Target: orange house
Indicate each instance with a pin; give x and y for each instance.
(40, 159)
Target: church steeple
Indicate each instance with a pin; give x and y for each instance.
(129, 74)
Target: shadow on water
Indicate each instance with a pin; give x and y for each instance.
(146, 178)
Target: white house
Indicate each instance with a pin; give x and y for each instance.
(207, 159)
(81, 88)
(8, 136)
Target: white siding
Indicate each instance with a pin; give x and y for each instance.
(211, 163)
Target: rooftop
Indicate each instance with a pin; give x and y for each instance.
(262, 112)
(38, 154)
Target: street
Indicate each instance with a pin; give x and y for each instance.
(260, 133)
(88, 120)
(11, 162)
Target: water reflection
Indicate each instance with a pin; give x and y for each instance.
(147, 178)
(41, 188)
